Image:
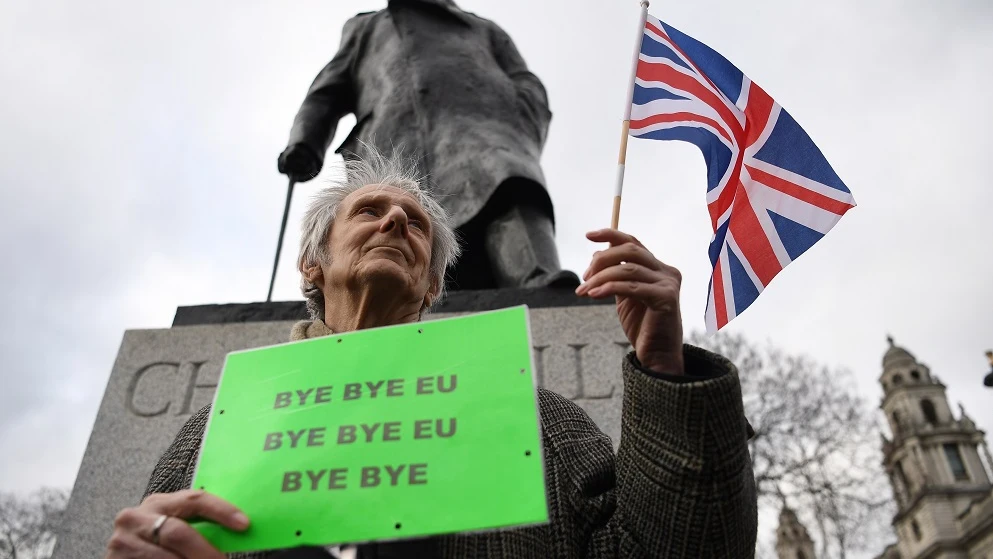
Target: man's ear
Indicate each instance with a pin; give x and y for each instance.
(314, 275)
(434, 290)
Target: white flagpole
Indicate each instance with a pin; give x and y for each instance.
(626, 125)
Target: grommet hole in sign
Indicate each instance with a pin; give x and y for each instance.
(397, 526)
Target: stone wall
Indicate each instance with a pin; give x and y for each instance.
(162, 376)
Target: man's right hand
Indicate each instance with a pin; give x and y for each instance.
(299, 163)
(135, 534)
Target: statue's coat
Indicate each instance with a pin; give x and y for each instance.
(447, 87)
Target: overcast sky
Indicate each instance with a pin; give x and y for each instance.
(137, 163)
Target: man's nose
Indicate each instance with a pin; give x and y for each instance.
(395, 220)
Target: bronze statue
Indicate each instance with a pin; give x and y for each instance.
(451, 90)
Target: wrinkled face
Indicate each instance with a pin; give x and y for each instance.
(381, 237)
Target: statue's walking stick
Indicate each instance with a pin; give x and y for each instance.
(279, 243)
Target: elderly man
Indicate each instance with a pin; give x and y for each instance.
(450, 88)
(373, 253)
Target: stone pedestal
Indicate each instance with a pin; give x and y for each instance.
(162, 376)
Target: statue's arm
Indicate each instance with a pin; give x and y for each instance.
(331, 96)
(529, 87)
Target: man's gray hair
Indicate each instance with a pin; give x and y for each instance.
(373, 168)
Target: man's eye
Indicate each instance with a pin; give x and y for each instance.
(415, 224)
(369, 211)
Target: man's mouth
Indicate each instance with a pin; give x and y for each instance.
(392, 249)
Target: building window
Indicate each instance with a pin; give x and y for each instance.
(955, 462)
(916, 529)
(800, 555)
(897, 379)
(930, 415)
(915, 375)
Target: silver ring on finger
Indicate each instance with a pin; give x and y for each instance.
(157, 527)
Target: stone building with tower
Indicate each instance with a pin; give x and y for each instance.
(792, 539)
(938, 466)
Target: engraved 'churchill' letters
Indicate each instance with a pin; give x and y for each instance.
(580, 384)
(578, 371)
(135, 388)
(141, 388)
(192, 384)
(539, 364)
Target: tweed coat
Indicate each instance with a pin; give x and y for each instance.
(447, 87)
(679, 486)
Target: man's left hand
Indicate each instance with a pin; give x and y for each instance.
(647, 293)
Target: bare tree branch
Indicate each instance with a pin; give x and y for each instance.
(28, 525)
(816, 444)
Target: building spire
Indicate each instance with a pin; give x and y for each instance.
(934, 457)
(792, 539)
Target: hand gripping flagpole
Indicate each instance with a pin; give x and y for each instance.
(279, 243)
(626, 125)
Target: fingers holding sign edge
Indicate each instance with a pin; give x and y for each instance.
(138, 533)
(195, 503)
(184, 540)
(126, 544)
(175, 536)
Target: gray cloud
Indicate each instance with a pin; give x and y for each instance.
(137, 164)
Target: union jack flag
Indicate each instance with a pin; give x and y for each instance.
(771, 194)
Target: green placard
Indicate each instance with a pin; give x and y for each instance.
(388, 433)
